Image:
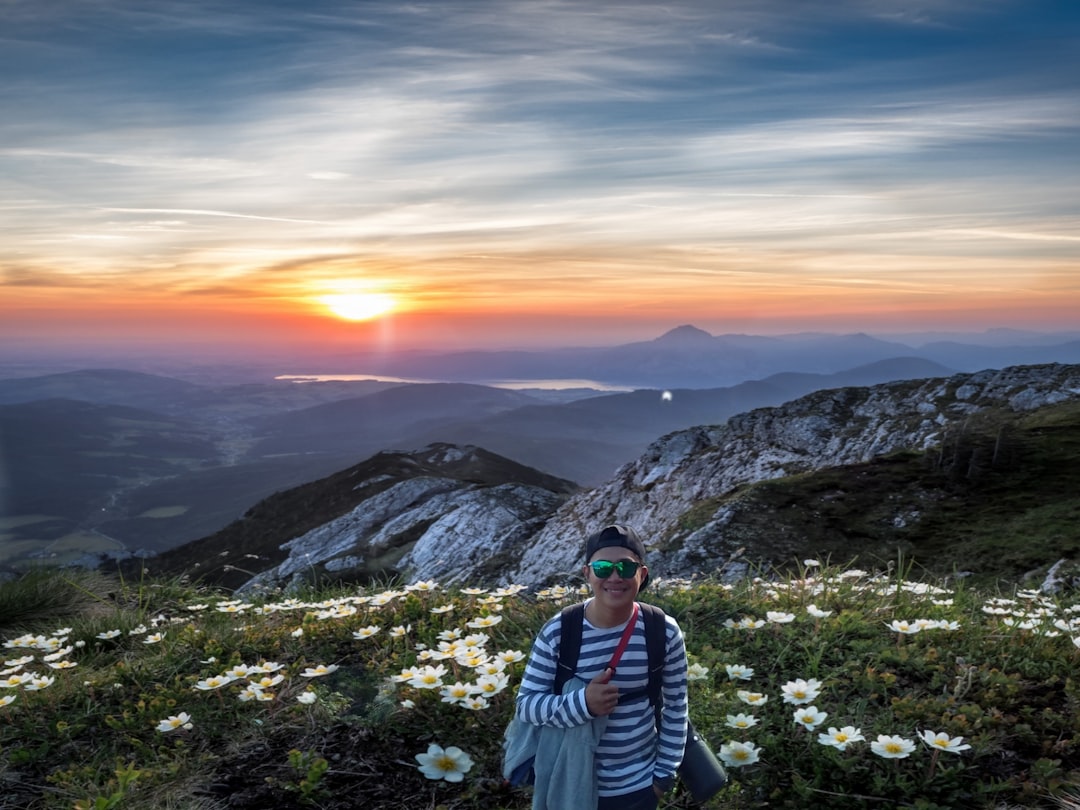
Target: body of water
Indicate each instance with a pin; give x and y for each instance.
(514, 385)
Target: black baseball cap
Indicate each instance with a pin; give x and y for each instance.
(615, 536)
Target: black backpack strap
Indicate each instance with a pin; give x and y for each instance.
(656, 648)
(572, 618)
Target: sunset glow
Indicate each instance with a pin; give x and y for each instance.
(359, 306)
(381, 175)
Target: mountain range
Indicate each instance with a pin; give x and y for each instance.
(968, 475)
(689, 357)
(121, 462)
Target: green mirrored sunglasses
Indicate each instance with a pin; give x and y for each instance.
(603, 568)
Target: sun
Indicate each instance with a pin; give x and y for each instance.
(359, 306)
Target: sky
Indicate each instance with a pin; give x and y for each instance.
(521, 173)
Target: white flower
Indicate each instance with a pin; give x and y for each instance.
(810, 717)
(741, 720)
(18, 679)
(37, 684)
(267, 681)
(319, 670)
(907, 628)
(492, 684)
(252, 692)
(7, 700)
(456, 693)
(108, 634)
(492, 666)
(511, 656)
(738, 754)
(153, 638)
(400, 631)
(366, 632)
(475, 703)
(215, 682)
(484, 621)
(801, 691)
(811, 563)
(778, 617)
(817, 612)
(841, 738)
(890, 746)
(737, 672)
(173, 722)
(696, 672)
(752, 698)
(429, 677)
(941, 740)
(297, 633)
(450, 763)
(307, 698)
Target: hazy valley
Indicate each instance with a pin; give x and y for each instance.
(106, 461)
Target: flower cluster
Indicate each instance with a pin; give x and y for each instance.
(54, 652)
(479, 674)
(804, 693)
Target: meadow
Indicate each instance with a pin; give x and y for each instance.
(826, 687)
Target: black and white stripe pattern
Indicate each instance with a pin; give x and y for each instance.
(630, 753)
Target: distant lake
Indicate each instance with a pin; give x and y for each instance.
(514, 385)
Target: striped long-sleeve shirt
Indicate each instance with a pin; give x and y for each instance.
(631, 753)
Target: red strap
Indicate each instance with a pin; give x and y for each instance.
(629, 631)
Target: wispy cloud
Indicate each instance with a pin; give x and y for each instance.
(675, 150)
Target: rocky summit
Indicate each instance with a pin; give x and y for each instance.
(677, 492)
(463, 515)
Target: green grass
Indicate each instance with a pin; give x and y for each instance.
(90, 738)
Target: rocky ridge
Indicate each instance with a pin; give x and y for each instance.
(429, 528)
(683, 470)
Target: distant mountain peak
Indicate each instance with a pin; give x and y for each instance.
(685, 334)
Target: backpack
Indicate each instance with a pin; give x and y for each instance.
(655, 647)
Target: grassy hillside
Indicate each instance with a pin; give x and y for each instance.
(156, 694)
(997, 501)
